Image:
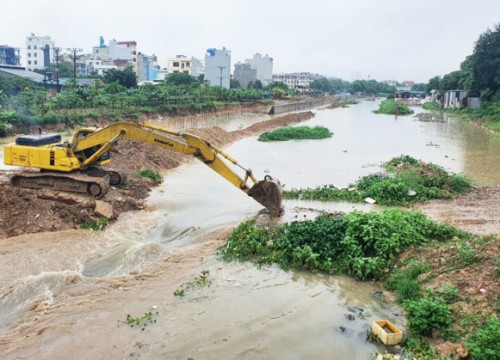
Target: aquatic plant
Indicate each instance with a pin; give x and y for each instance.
(296, 133)
(392, 107)
(406, 180)
(361, 244)
(142, 322)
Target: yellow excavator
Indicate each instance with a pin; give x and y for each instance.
(76, 166)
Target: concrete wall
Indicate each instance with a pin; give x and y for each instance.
(301, 105)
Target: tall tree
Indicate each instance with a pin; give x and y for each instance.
(125, 77)
(486, 63)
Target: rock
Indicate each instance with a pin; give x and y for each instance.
(369, 200)
(442, 260)
(462, 352)
(103, 208)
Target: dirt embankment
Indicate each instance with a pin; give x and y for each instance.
(31, 211)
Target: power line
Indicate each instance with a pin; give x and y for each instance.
(74, 51)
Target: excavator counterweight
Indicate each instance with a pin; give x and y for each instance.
(76, 166)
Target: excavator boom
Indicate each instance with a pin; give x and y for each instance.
(90, 148)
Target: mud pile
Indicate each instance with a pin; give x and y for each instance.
(31, 211)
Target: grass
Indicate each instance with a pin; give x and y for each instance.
(405, 181)
(296, 133)
(391, 107)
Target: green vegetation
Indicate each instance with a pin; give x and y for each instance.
(479, 74)
(199, 282)
(296, 133)
(142, 322)
(406, 181)
(484, 344)
(392, 107)
(150, 174)
(432, 305)
(428, 314)
(98, 225)
(358, 244)
(367, 87)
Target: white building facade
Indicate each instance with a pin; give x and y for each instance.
(218, 67)
(264, 67)
(39, 52)
(298, 81)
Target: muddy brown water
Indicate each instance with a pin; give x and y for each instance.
(67, 294)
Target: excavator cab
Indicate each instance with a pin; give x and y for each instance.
(267, 192)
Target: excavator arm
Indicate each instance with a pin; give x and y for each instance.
(267, 192)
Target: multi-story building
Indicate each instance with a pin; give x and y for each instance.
(39, 52)
(217, 67)
(264, 67)
(179, 64)
(298, 81)
(197, 67)
(186, 65)
(9, 56)
(244, 74)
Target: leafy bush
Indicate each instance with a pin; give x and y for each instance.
(150, 174)
(484, 344)
(296, 133)
(392, 107)
(359, 244)
(427, 314)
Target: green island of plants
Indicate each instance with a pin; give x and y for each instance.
(296, 133)
(405, 181)
(360, 244)
(392, 107)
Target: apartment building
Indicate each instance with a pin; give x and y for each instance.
(9, 56)
(39, 52)
(264, 67)
(299, 81)
(179, 64)
(244, 74)
(217, 67)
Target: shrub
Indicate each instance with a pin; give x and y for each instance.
(296, 133)
(150, 174)
(484, 344)
(427, 314)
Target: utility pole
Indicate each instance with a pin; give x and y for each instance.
(221, 77)
(74, 51)
(56, 51)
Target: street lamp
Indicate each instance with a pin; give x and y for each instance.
(74, 51)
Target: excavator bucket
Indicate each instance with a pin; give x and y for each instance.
(268, 193)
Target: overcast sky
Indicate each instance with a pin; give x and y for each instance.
(350, 39)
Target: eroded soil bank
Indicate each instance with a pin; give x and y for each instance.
(33, 211)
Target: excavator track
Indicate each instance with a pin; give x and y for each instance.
(70, 182)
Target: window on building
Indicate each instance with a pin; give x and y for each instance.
(34, 47)
(35, 62)
(134, 59)
(29, 54)
(186, 72)
(29, 46)
(35, 54)
(175, 64)
(29, 62)
(176, 71)
(188, 64)
(134, 52)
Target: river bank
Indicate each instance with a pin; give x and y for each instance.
(31, 211)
